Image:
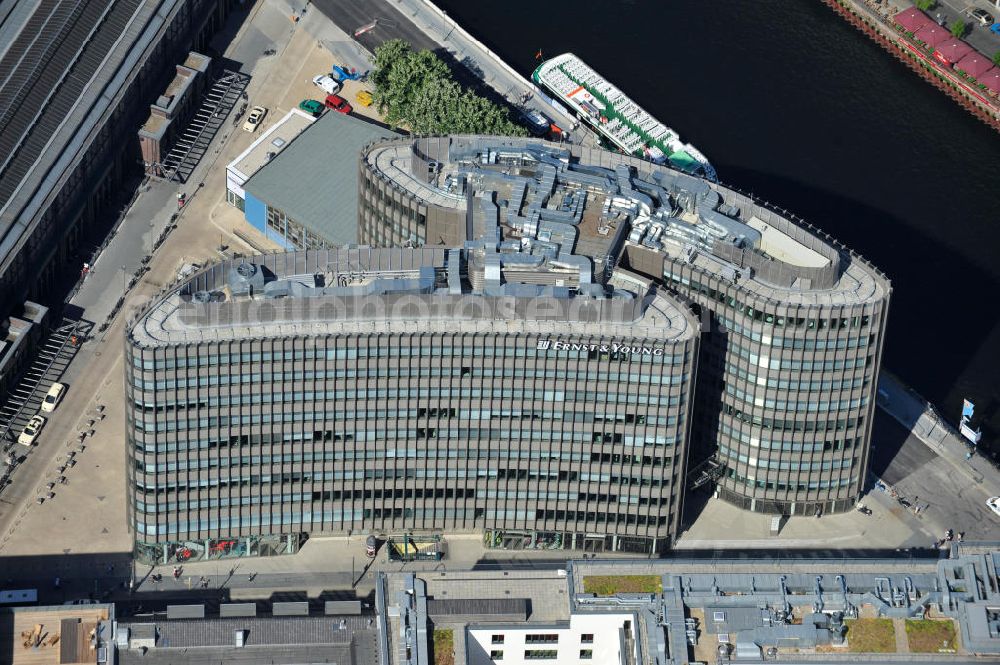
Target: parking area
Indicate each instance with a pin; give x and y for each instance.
(976, 15)
(25, 399)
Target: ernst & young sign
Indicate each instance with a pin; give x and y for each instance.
(557, 345)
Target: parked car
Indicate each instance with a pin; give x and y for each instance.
(257, 114)
(993, 503)
(337, 103)
(327, 84)
(312, 107)
(53, 397)
(538, 123)
(31, 430)
(364, 98)
(981, 16)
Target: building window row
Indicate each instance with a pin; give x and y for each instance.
(796, 343)
(471, 351)
(540, 372)
(362, 455)
(785, 465)
(793, 446)
(770, 362)
(786, 486)
(383, 414)
(834, 323)
(403, 474)
(780, 424)
(297, 520)
(156, 444)
(792, 385)
(542, 638)
(795, 407)
(277, 397)
(541, 654)
(409, 493)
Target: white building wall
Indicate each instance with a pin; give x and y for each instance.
(606, 648)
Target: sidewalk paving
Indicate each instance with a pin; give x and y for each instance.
(721, 525)
(919, 416)
(312, 568)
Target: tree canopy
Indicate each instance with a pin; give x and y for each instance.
(416, 89)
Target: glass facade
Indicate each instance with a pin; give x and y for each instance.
(243, 438)
(786, 394)
(788, 365)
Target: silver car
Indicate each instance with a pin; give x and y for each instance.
(982, 16)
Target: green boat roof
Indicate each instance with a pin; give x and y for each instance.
(684, 161)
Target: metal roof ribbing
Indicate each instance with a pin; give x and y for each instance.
(36, 44)
(20, 23)
(261, 631)
(75, 62)
(314, 180)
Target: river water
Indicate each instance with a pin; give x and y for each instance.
(794, 105)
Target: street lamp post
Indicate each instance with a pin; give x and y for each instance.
(123, 282)
(444, 25)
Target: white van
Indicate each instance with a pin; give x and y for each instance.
(327, 84)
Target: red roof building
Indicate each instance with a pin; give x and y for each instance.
(975, 64)
(913, 19)
(991, 79)
(951, 51)
(932, 35)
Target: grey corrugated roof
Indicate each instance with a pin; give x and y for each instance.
(314, 181)
(484, 609)
(260, 631)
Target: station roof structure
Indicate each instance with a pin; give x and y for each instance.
(63, 67)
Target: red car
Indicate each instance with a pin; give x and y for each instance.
(337, 103)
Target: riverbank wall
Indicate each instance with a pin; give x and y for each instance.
(880, 29)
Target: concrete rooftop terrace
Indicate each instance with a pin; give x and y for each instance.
(588, 196)
(386, 290)
(271, 142)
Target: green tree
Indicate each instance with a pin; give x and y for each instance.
(925, 5)
(996, 58)
(416, 89)
(958, 28)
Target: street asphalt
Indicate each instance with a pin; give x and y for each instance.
(977, 35)
(351, 15)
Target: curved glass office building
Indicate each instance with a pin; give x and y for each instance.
(793, 321)
(402, 391)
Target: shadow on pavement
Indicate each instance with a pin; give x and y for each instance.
(891, 459)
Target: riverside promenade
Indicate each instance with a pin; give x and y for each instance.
(424, 25)
(876, 22)
(922, 419)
